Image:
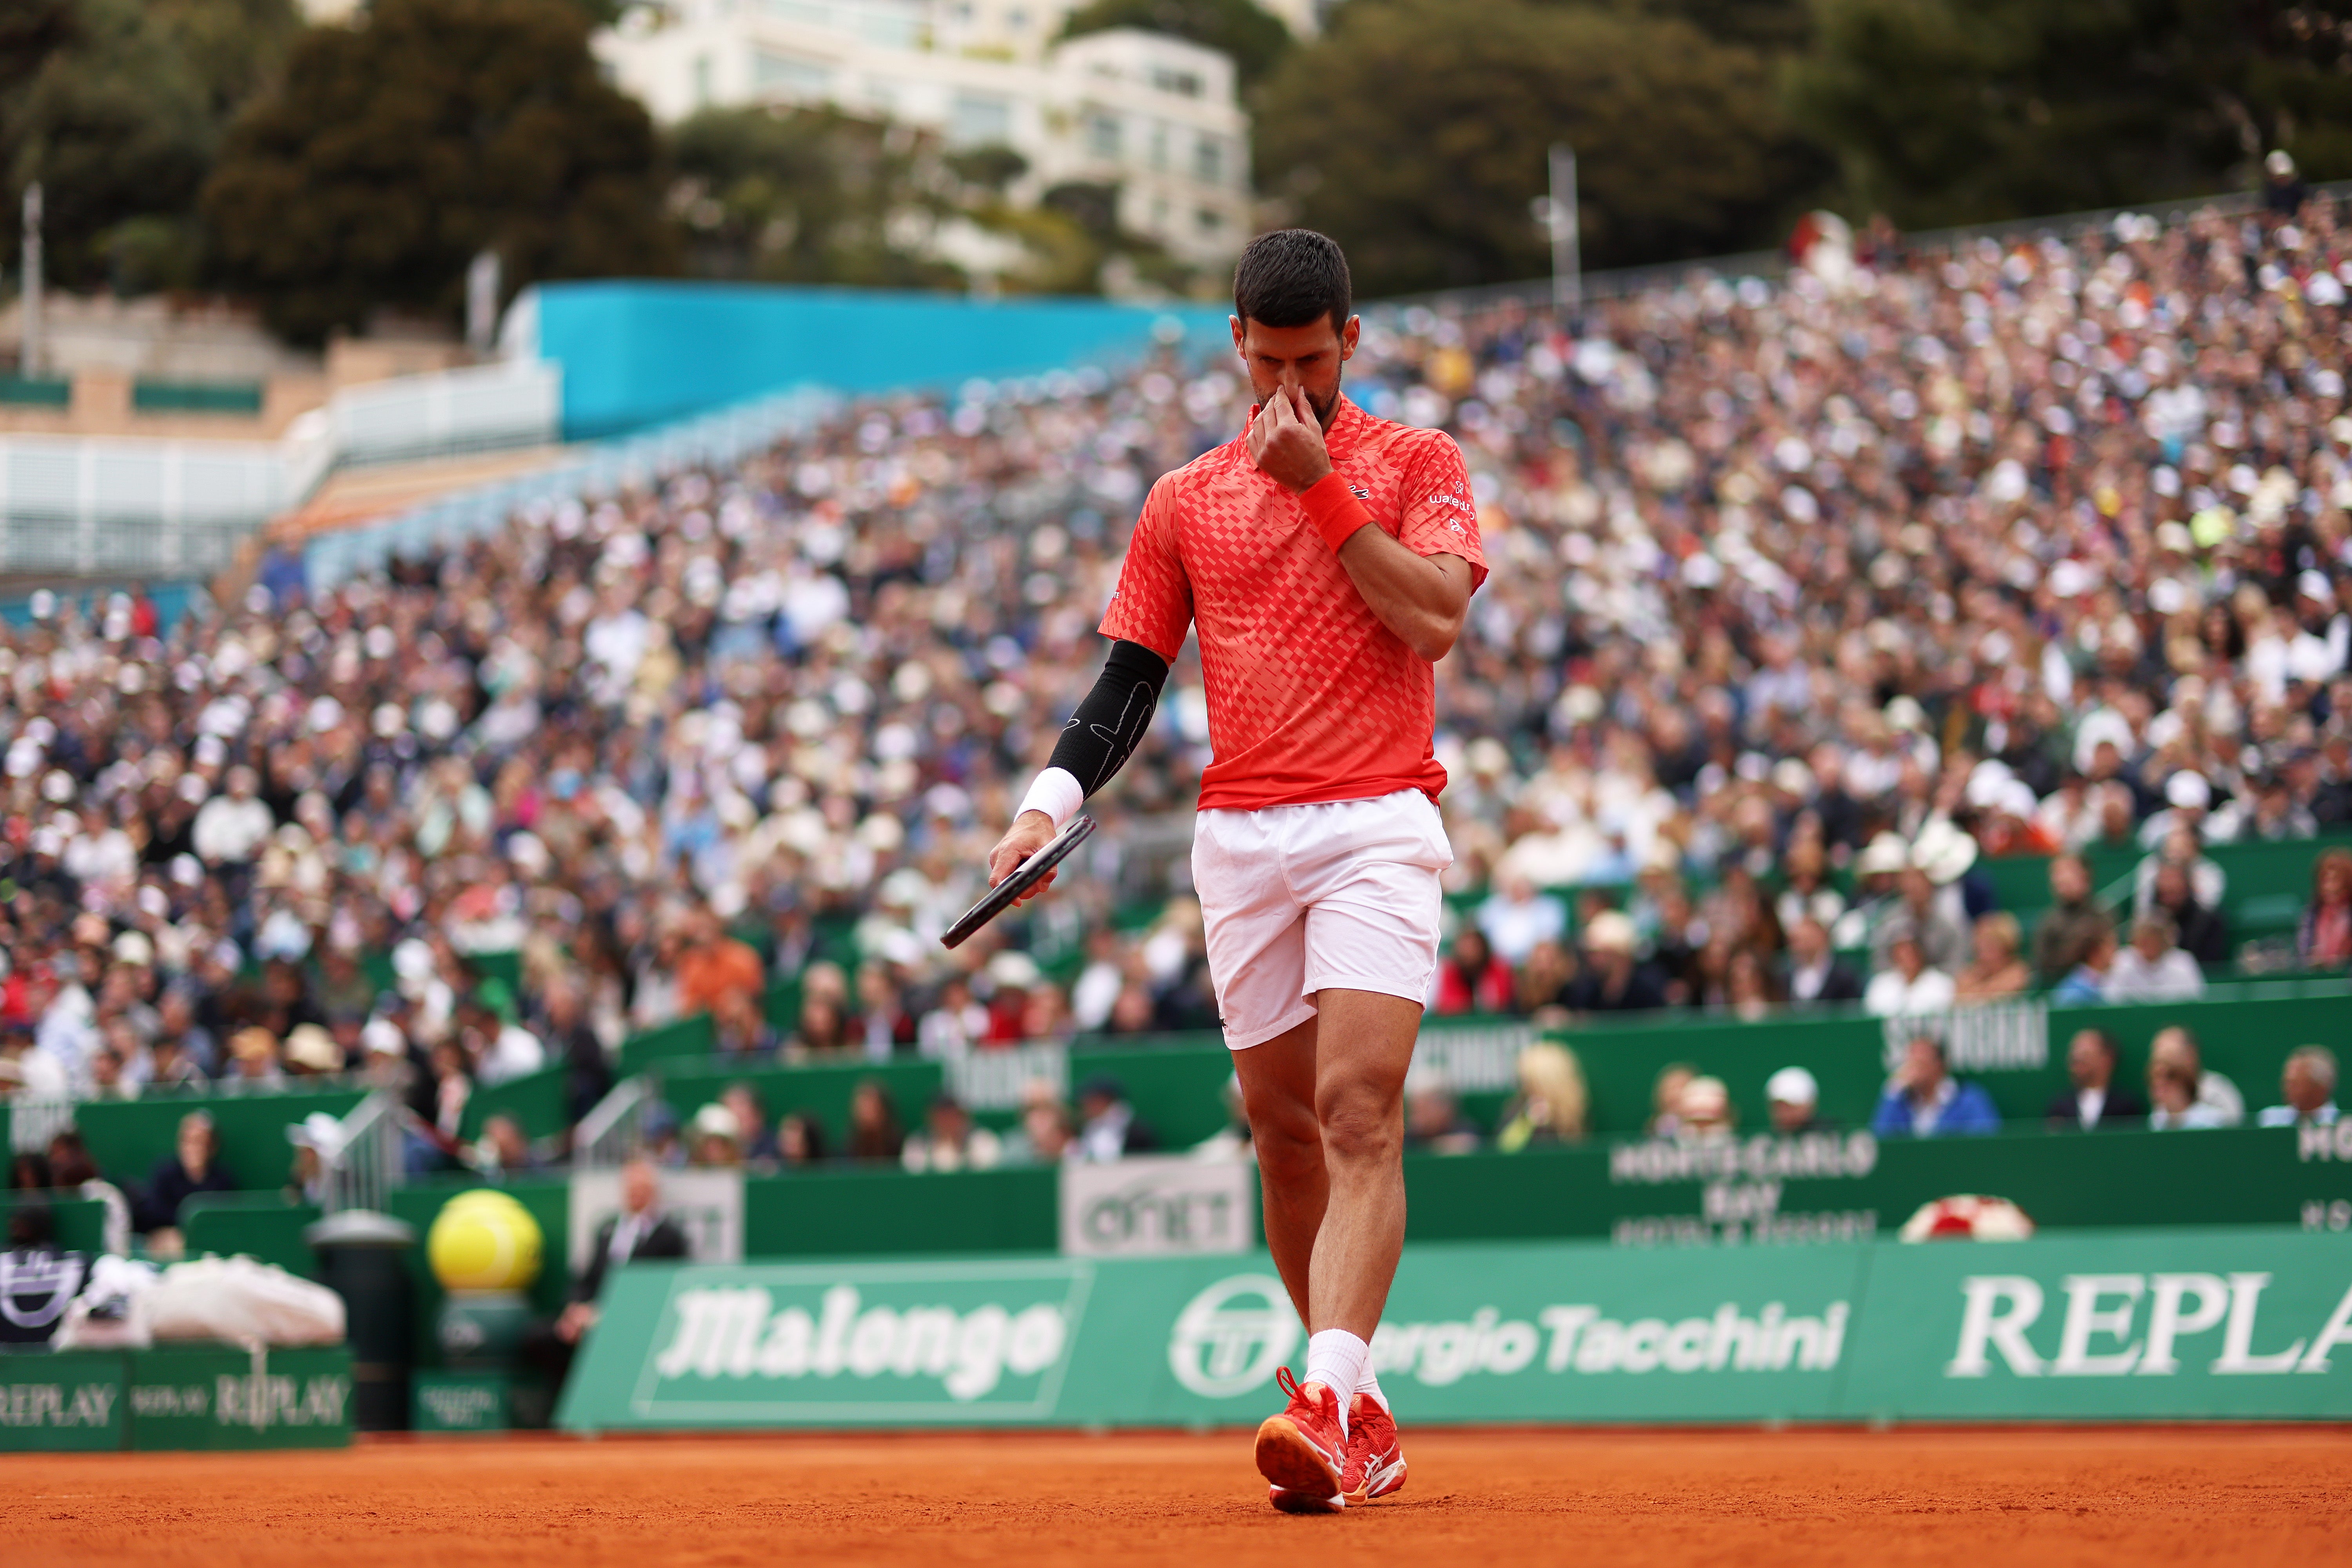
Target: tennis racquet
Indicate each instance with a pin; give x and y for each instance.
(1026, 876)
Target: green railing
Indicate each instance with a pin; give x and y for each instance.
(196, 396)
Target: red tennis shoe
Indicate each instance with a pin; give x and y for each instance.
(1375, 1465)
(1301, 1452)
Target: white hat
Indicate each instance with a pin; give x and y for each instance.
(1884, 854)
(2188, 791)
(1014, 970)
(1793, 1086)
(382, 1038)
(716, 1120)
(317, 1131)
(1943, 851)
(1612, 931)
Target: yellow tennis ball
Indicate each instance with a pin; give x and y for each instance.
(484, 1240)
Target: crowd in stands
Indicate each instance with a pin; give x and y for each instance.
(1810, 600)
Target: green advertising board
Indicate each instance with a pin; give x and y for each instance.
(70, 1402)
(222, 1397)
(2154, 1324)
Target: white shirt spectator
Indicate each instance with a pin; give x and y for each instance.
(229, 831)
(2175, 977)
(1517, 918)
(2288, 1116)
(515, 1052)
(1889, 995)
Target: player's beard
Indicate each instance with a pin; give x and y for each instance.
(1328, 407)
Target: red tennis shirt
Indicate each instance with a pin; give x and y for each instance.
(1310, 698)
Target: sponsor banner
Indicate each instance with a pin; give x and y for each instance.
(460, 1402)
(2180, 1324)
(67, 1402)
(998, 1078)
(1472, 1059)
(208, 1397)
(706, 1204)
(1156, 1204)
(1996, 1036)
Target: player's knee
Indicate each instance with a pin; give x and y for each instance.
(1285, 1137)
(1359, 1126)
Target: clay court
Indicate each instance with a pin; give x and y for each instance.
(2016, 1497)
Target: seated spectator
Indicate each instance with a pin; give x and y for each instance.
(1907, 988)
(739, 1027)
(191, 1168)
(822, 1032)
(711, 964)
(1474, 979)
(253, 1063)
(503, 1150)
(72, 1170)
(2204, 935)
(2180, 1093)
(1667, 1099)
(1231, 1141)
(1044, 1136)
(800, 1142)
(713, 1140)
(1814, 974)
(1550, 1106)
(1934, 915)
(1748, 994)
(751, 1129)
(1109, 1128)
(1924, 1100)
(955, 1024)
(2308, 1086)
(1516, 918)
(2086, 984)
(949, 1140)
(1543, 979)
(1705, 1111)
(2071, 922)
(2152, 969)
(641, 1231)
(1997, 971)
(2323, 939)
(2181, 847)
(2095, 1100)
(1793, 1098)
(1613, 980)
(1434, 1122)
(311, 1052)
(874, 1131)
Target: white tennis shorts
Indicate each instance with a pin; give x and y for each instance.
(1299, 899)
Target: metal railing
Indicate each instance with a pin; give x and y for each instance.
(613, 1125)
(33, 1122)
(368, 1162)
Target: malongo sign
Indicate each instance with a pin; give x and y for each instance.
(2160, 1324)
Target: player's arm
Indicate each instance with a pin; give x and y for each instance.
(1422, 598)
(1095, 744)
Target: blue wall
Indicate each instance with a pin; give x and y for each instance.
(637, 353)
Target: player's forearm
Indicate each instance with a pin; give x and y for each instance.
(1102, 735)
(1422, 598)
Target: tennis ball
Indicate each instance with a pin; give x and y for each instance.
(484, 1240)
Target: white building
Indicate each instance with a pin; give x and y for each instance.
(1155, 116)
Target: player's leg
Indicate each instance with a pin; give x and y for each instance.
(1278, 1087)
(1366, 1042)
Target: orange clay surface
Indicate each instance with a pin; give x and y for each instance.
(1491, 1499)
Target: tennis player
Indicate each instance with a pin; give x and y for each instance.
(1328, 559)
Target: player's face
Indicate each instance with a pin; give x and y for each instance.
(1308, 357)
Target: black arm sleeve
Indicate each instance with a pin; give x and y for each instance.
(1110, 724)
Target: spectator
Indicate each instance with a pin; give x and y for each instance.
(2095, 1100)
(950, 1142)
(1924, 1100)
(639, 1233)
(1706, 1116)
(2152, 969)
(1109, 1128)
(955, 1024)
(1434, 1122)
(190, 1169)
(1045, 1136)
(714, 964)
(751, 1130)
(1997, 971)
(800, 1142)
(2181, 1093)
(740, 1029)
(1667, 1099)
(874, 1131)
(253, 1063)
(72, 1170)
(311, 1052)
(2086, 984)
(2070, 924)
(2203, 934)
(1516, 919)
(230, 827)
(1543, 980)
(1815, 976)
(714, 1140)
(1613, 980)
(822, 1032)
(1551, 1105)
(2308, 1087)
(1474, 979)
(1907, 988)
(588, 1072)
(2323, 939)
(1792, 1098)
(504, 1149)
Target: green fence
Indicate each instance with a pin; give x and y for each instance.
(541, 1102)
(266, 1226)
(196, 396)
(127, 1137)
(209, 1397)
(2149, 1325)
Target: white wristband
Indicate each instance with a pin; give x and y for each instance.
(1058, 793)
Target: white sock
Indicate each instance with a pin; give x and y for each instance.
(1337, 1360)
(1369, 1386)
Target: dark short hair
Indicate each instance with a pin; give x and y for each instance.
(1293, 277)
(2104, 1040)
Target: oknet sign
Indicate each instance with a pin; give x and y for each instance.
(2154, 1324)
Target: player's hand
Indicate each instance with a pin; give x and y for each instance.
(1031, 831)
(1285, 439)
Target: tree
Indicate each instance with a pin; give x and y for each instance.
(1942, 112)
(118, 106)
(1415, 132)
(809, 195)
(1255, 40)
(397, 149)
